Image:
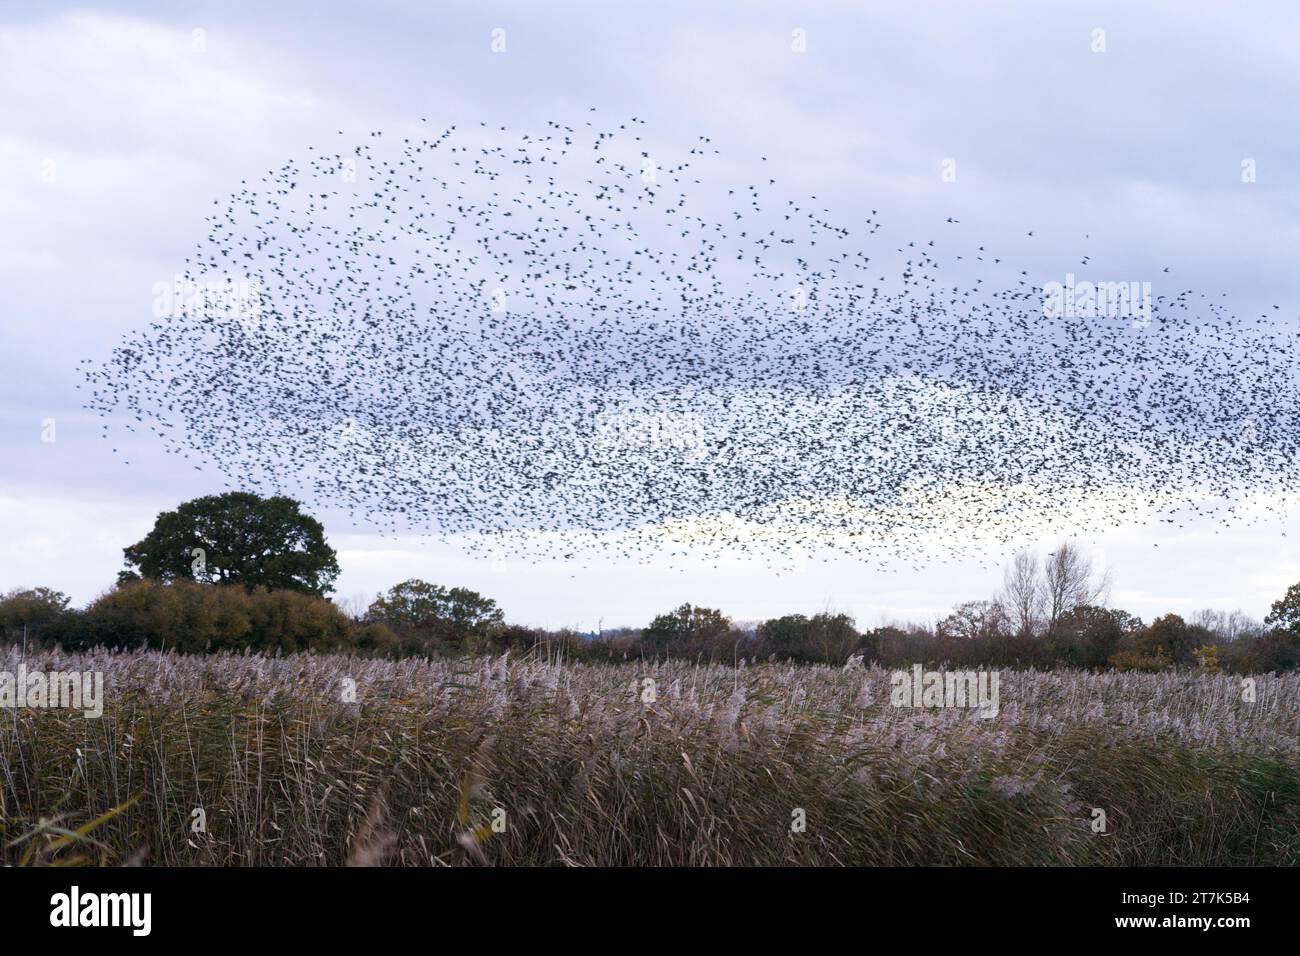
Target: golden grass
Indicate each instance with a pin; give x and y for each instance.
(518, 762)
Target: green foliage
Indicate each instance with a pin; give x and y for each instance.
(1273, 651)
(237, 538)
(1285, 613)
(1169, 637)
(416, 617)
(430, 617)
(191, 617)
(1126, 622)
(976, 621)
(1087, 636)
(690, 632)
(1129, 660)
(828, 638)
(31, 610)
(375, 638)
(1207, 658)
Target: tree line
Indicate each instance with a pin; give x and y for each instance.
(239, 572)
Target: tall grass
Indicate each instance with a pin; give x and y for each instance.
(574, 767)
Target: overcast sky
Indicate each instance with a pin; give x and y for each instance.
(121, 123)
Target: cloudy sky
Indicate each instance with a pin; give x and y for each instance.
(121, 123)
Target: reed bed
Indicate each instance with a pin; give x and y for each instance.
(337, 760)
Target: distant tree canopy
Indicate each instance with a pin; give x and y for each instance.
(1087, 636)
(828, 638)
(236, 538)
(1285, 613)
(426, 614)
(975, 621)
(32, 608)
(1168, 637)
(277, 558)
(689, 631)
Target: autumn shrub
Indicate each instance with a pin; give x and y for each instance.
(1132, 660)
(28, 612)
(191, 617)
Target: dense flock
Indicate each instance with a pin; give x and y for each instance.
(587, 340)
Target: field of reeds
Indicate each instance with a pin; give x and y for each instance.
(332, 760)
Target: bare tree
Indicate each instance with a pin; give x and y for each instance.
(1069, 581)
(1020, 591)
(355, 606)
(1227, 625)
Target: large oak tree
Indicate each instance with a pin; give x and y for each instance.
(237, 538)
